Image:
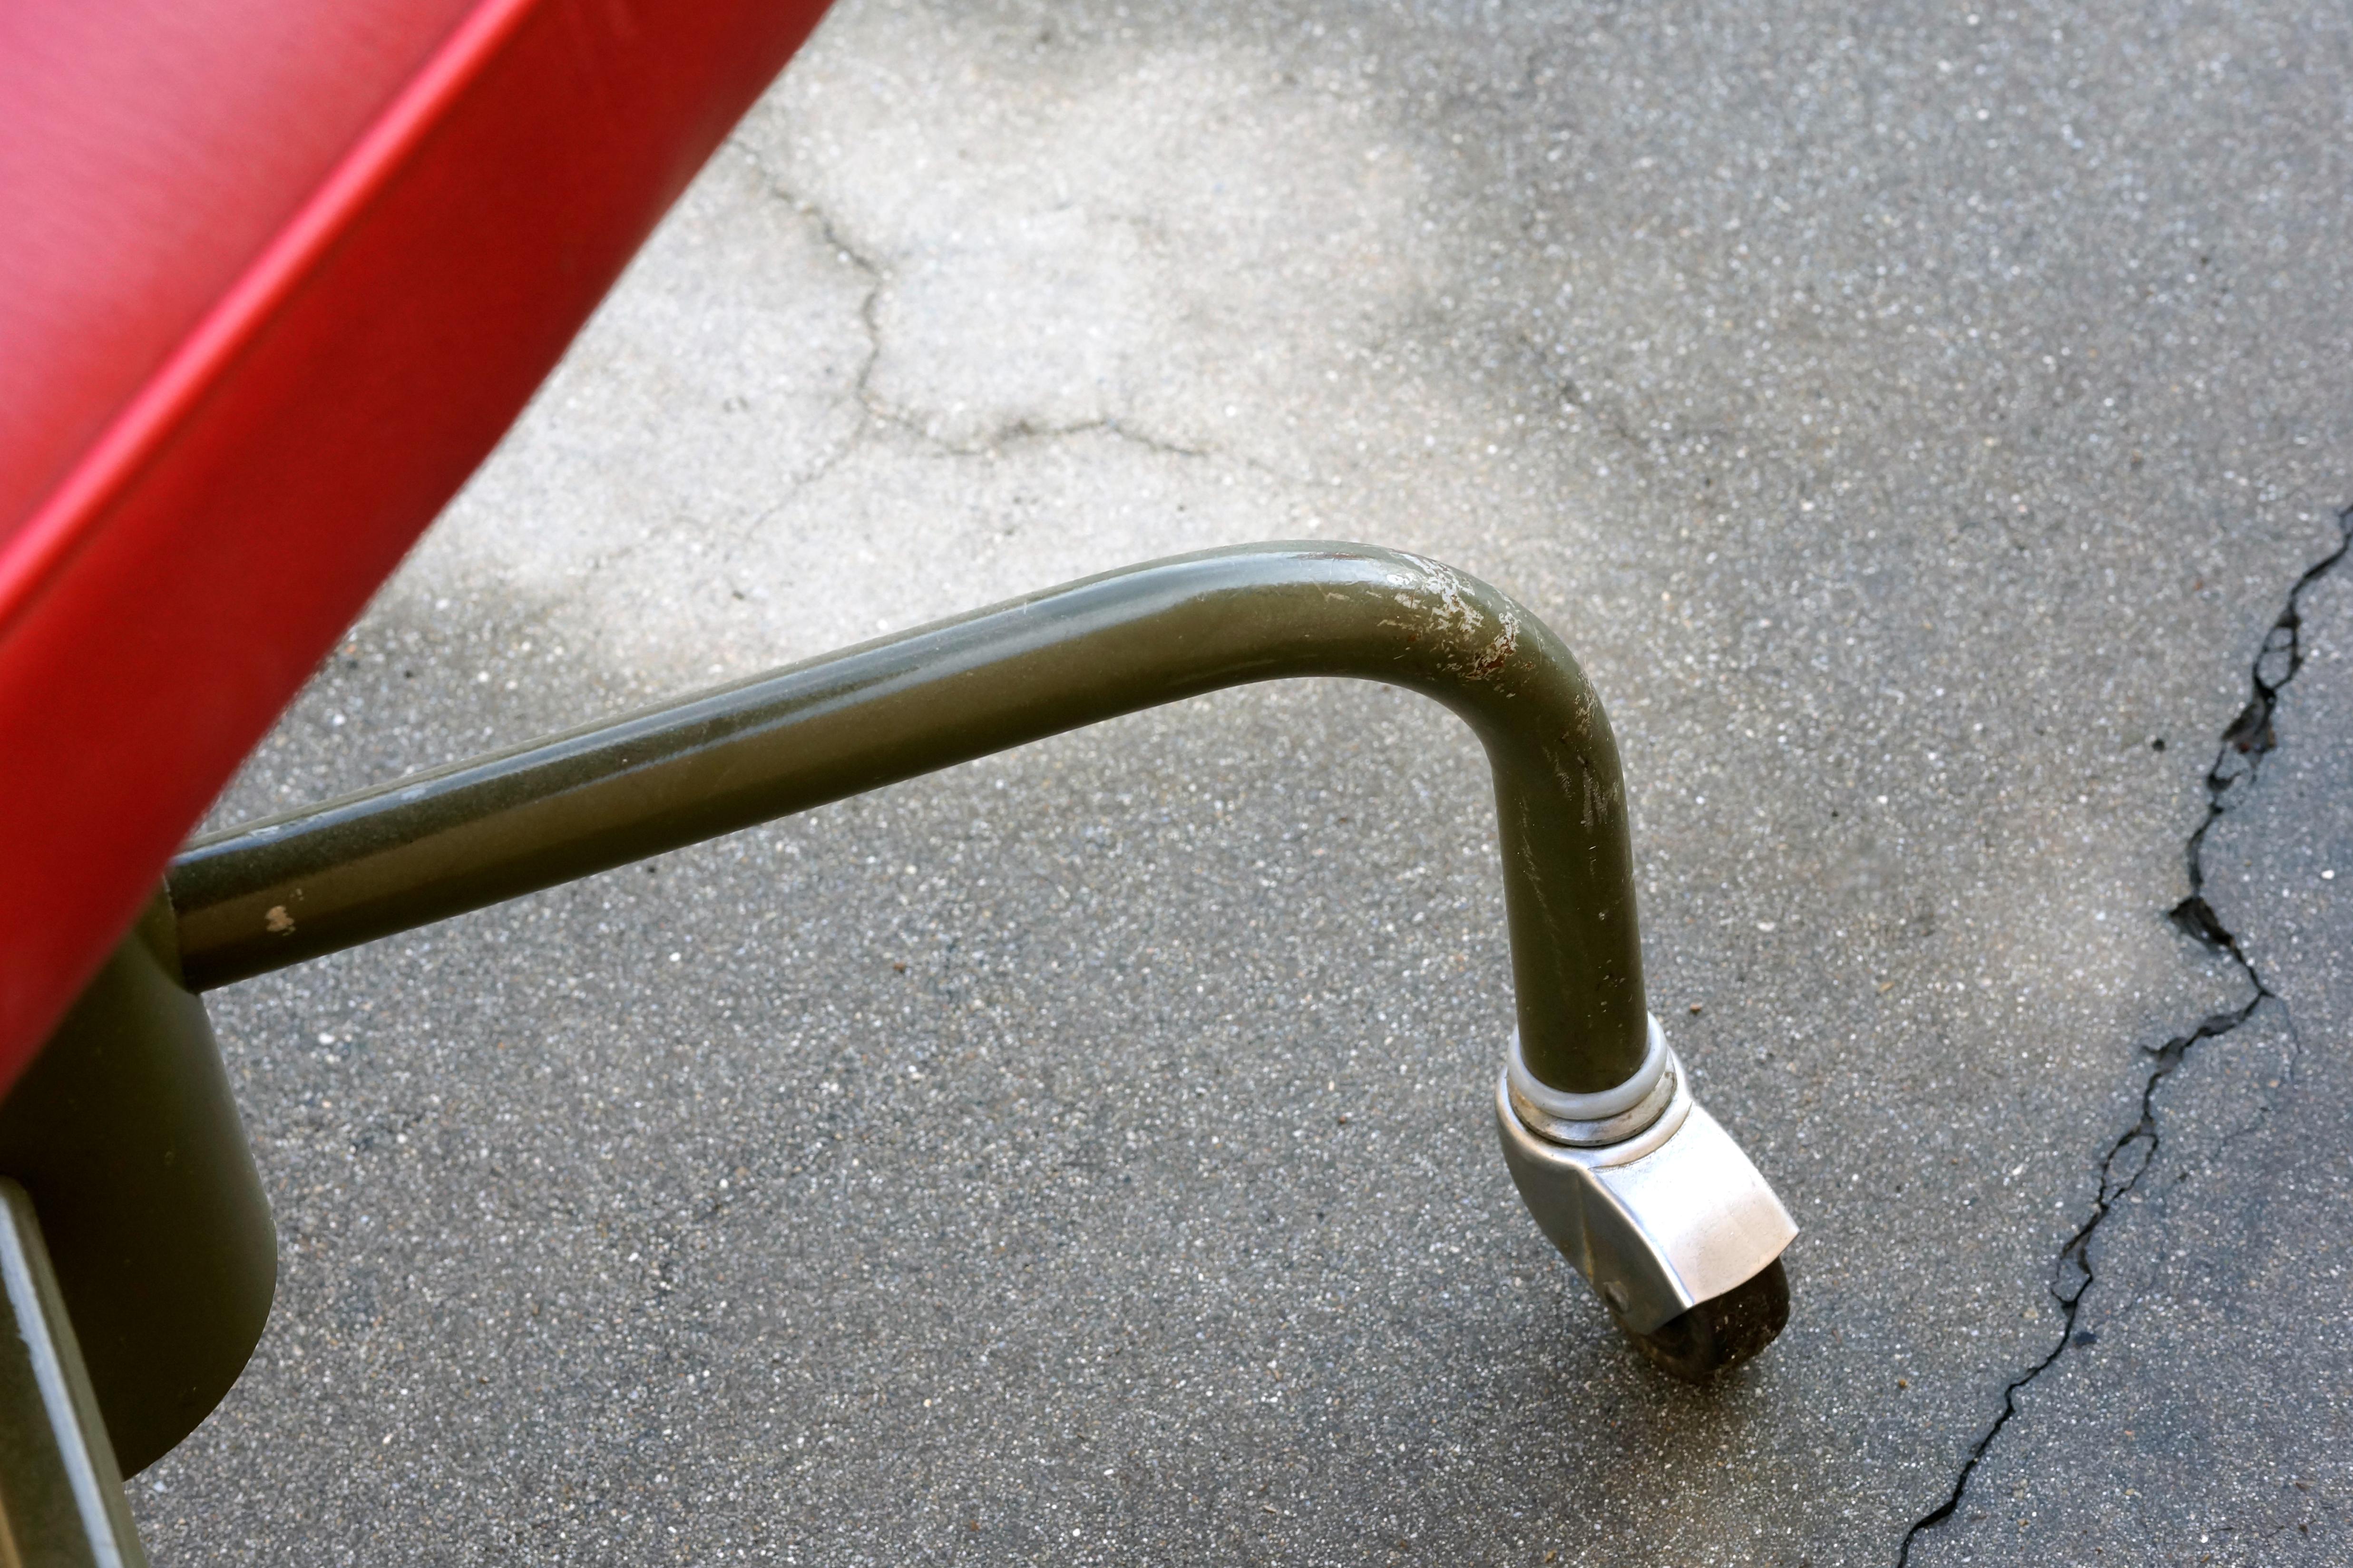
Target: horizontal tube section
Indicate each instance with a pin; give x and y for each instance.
(437, 844)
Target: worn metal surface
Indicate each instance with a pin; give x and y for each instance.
(420, 849)
(61, 1503)
(983, 299)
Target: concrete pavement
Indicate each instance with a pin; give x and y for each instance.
(1913, 422)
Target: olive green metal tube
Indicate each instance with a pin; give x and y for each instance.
(125, 1134)
(437, 844)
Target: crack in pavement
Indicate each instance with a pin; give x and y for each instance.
(2238, 760)
(874, 409)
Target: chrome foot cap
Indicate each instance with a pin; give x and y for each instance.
(1673, 1226)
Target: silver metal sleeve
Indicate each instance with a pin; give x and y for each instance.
(1658, 1221)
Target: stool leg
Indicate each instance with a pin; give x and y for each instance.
(60, 1495)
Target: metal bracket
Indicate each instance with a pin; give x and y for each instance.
(1659, 1221)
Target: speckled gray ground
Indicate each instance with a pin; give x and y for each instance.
(2197, 1411)
(1913, 422)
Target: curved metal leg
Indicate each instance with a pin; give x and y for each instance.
(1637, 1184)
(293, 887)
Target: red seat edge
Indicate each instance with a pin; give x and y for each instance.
(167, 600)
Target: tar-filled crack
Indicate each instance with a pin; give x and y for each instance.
(2238, 759)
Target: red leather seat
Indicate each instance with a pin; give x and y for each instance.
(274, 277)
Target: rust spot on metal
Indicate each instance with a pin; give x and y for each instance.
(1495, 655)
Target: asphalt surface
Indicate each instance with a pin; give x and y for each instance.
(1915, 422)
(2202, 1392)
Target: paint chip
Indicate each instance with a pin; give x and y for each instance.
(277, 922)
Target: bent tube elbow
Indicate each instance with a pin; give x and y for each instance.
(276, 892)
